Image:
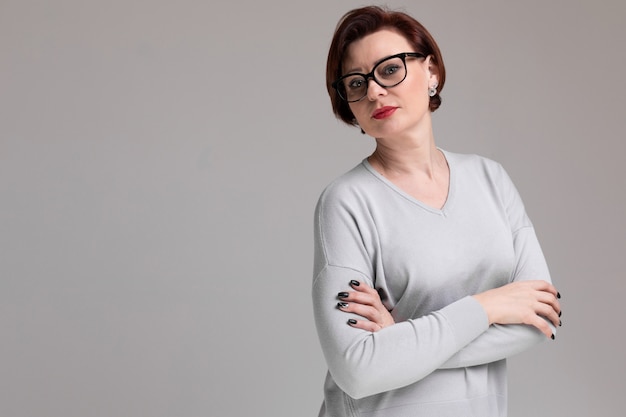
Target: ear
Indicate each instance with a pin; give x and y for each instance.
(433, 69)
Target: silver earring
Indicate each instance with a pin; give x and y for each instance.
(432, 90)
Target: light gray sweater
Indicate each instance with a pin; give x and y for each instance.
(441, 358)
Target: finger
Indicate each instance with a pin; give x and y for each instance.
(361, 298)
(551, 307)
(546, 293)
(381, 317)
(542, 325)
(362, 287)
(364, 325)
(549, 298)
(547, 311)
(545, 286)
(367, 312)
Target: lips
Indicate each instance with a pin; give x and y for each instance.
(383, 112)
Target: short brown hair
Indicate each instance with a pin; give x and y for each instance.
(361, 22)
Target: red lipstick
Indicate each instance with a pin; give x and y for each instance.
(383, 112)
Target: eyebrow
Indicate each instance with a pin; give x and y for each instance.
(357, 70)
(352, 70)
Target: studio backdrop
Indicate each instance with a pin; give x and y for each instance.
(160, 163)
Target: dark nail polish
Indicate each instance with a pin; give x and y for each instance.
(558, 295)
(559, 314)
(352, 321)
(355, 283)
(552, 336)
(342, 295)
(560, 323)
(342, 305)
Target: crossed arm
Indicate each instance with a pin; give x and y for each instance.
(520, 302)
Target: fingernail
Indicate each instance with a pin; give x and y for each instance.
(560, 323)
(342, 305)
(355, 283)
(559, 314)
(351, 321)
(342, 295)
(558, 295)
(552, 336)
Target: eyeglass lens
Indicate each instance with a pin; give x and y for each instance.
(387, 73)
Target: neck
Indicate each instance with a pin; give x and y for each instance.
(408, 156)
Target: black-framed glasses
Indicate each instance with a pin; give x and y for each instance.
(388, 72)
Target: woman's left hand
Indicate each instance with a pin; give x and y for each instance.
(365, 301)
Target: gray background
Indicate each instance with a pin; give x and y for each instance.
(159, 166)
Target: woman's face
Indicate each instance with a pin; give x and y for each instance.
(394, 111)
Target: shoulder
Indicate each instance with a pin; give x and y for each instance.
(474, 162)
(490, 176)
(347, 186)
(484, 170)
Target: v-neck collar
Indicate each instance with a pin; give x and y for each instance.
(451, 186)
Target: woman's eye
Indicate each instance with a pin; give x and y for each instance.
(390, 69)
(355, 83)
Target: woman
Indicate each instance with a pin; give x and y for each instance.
(428, 273)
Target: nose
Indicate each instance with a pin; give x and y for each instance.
(374, 90)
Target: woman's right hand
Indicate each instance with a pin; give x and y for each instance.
(523, 302)
(365, 302)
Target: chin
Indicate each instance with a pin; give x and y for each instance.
(385, 131)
